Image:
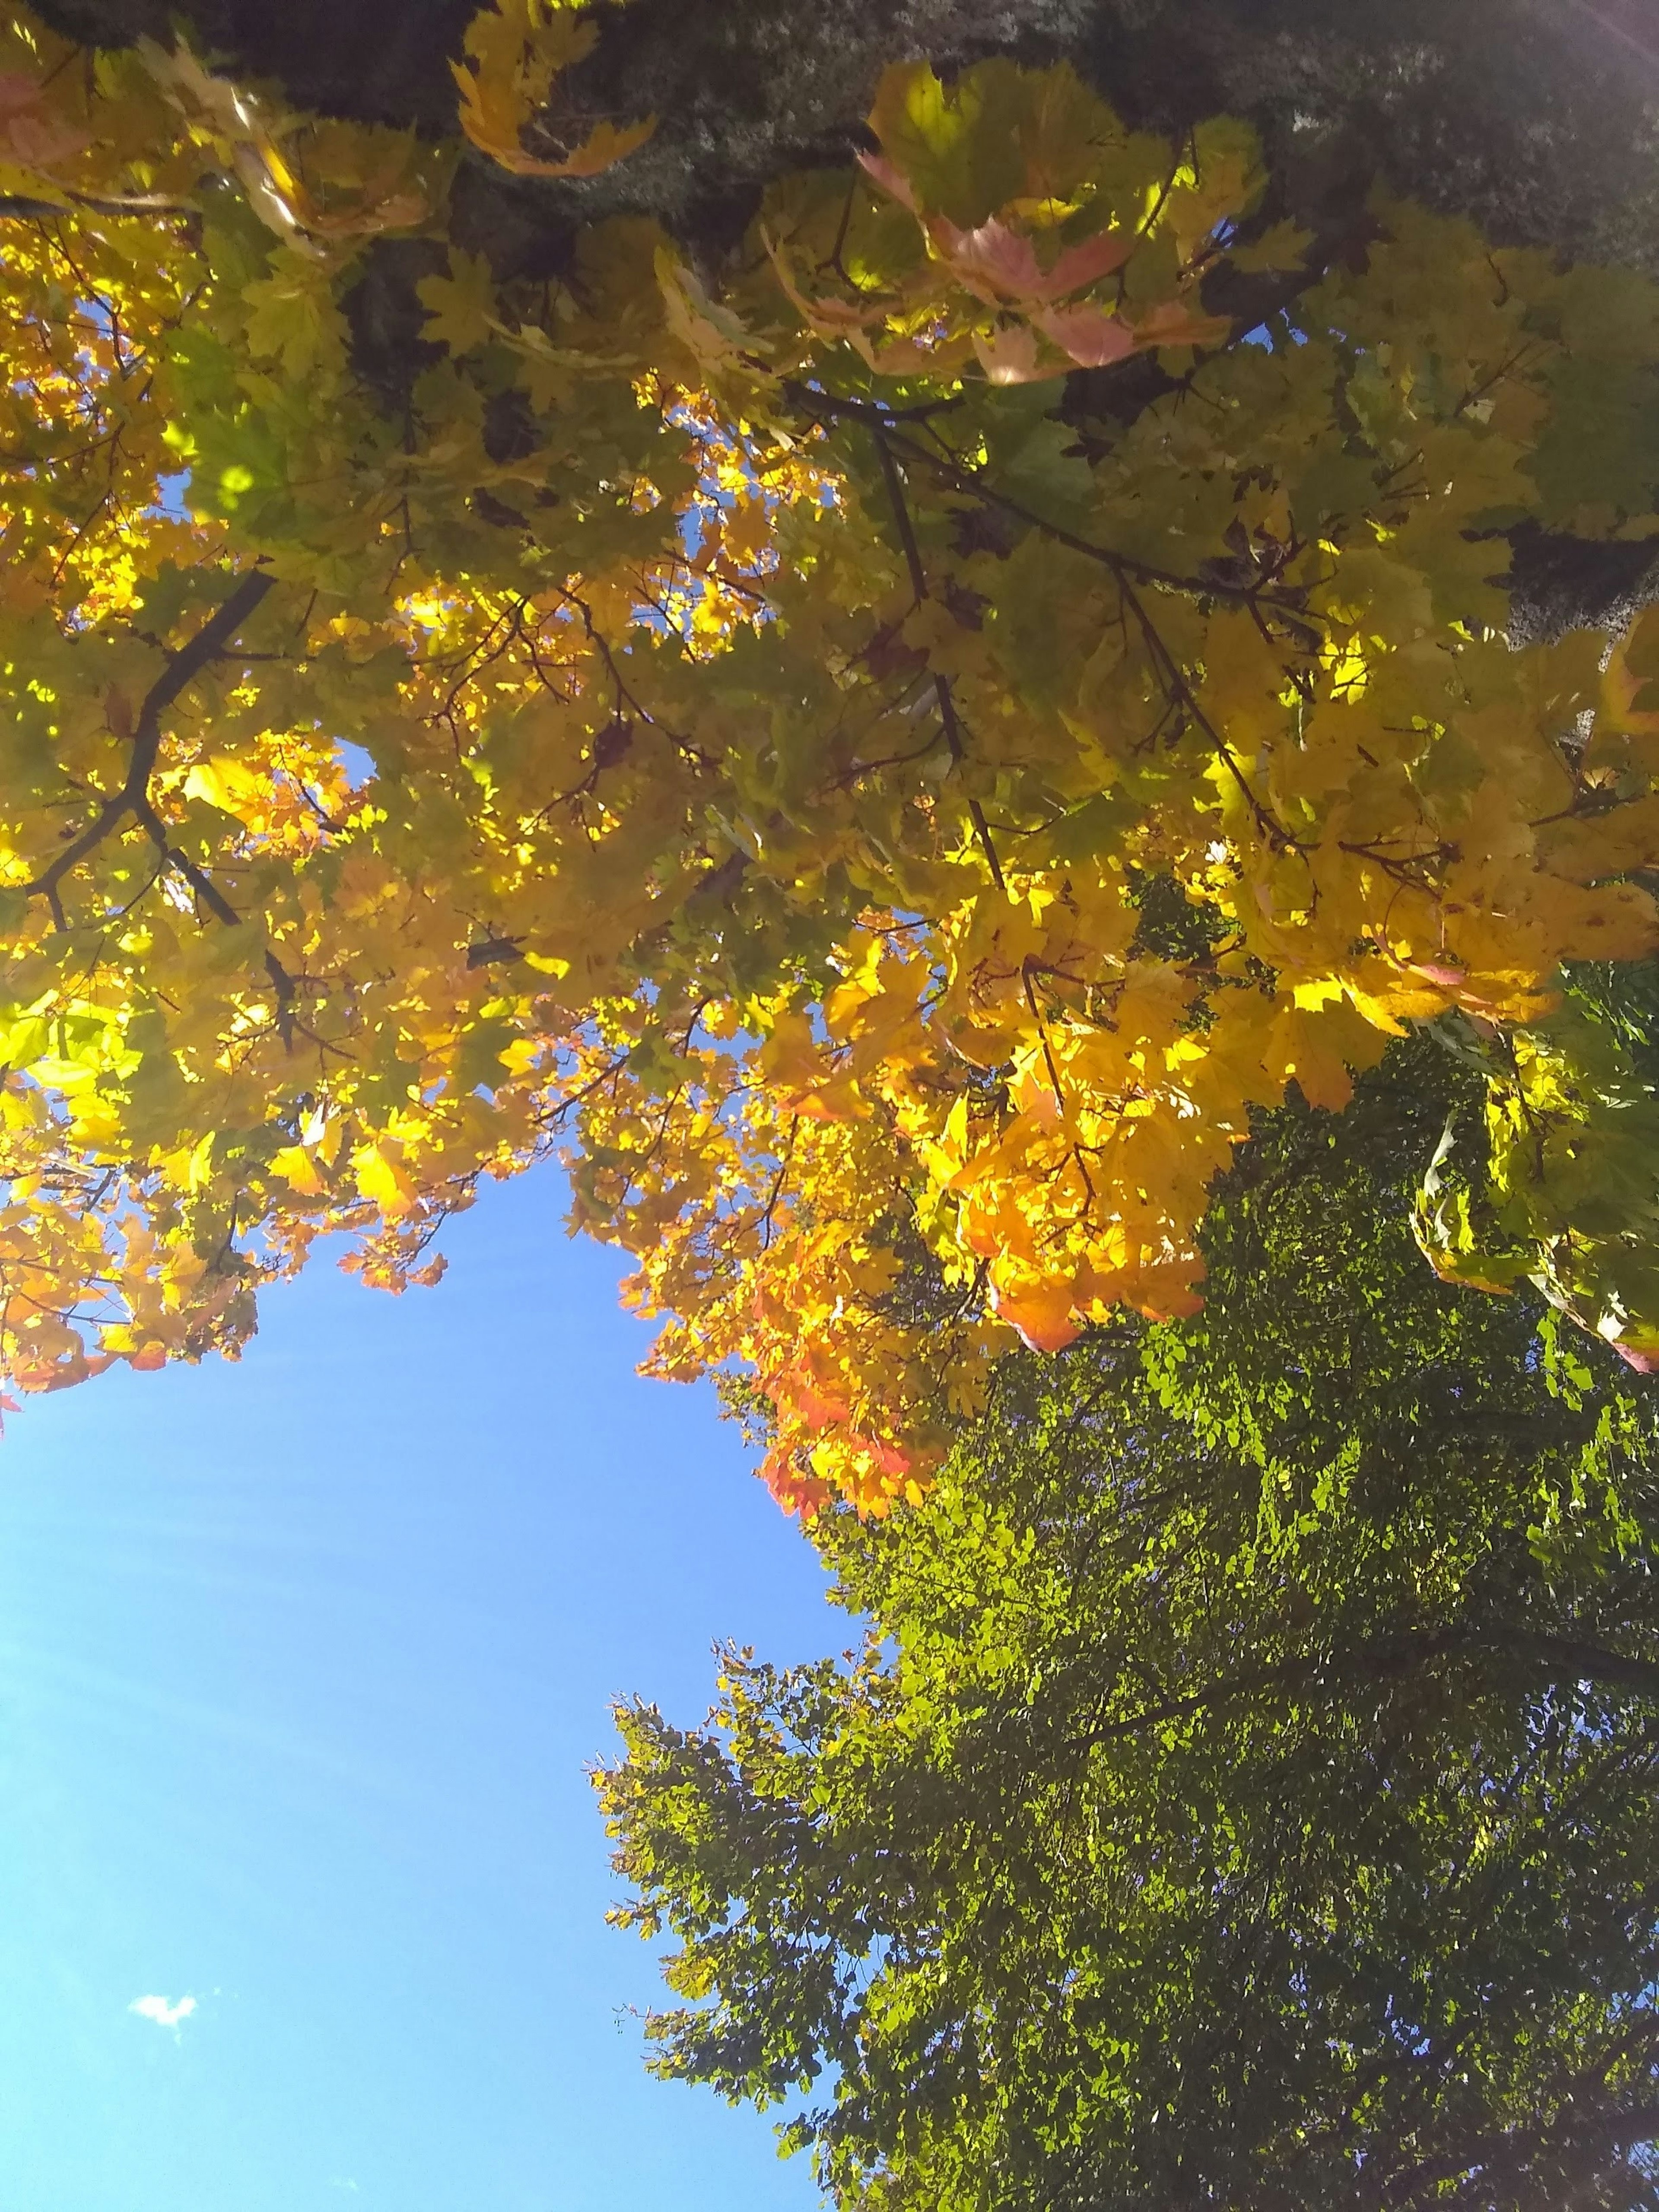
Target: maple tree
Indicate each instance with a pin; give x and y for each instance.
(885, 752)
(1242, 1790)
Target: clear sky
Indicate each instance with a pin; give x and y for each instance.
(300, 1662)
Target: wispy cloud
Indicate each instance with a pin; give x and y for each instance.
(162, 2011)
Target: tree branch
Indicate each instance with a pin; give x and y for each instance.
(1561, 1658)
(133, 797)
(947, 705)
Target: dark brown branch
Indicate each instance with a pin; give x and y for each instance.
(21, 206)
(490, 952)
(1178, 688)
(1559, 1658)
(883, 424)
(1569, 1659)
(133, 797)
(770, 1210)
(1128, 572)
(287, 991)
(947, 705)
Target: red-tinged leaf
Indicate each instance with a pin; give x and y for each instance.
(997, 263)
(30, 135)
(797, 1493)
(891, 178)
(1089, 336)
(818, 1410)
(887, 1459)
(828, 318)
(993, 261)
(1088, 262)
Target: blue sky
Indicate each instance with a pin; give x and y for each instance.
(300, 1662)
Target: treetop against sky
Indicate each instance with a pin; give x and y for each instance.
(884, 746)
(1242, 1790)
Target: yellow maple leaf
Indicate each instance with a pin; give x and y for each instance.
(292, 317)
(383, 1180)
(606, 144)
(515, 49)
(462, 305)
(296, 1166)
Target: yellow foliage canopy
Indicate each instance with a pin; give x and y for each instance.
(886, 813)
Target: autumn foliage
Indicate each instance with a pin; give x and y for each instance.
(883, 753)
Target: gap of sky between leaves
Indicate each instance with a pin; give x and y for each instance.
(300, 1661)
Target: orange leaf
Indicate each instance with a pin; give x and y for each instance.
(1041, 1316)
